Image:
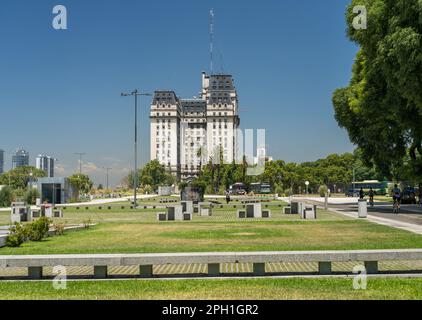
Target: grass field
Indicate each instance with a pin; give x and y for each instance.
(121, 230)
(138, 234)
(207, 289)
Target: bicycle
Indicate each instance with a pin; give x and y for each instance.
(371, 202)
(396, 206)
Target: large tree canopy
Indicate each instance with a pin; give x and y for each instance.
(382, 107)
(19, 177)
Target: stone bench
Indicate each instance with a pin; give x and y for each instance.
(101, 262)
(287, 210)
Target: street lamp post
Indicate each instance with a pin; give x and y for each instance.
(307, 185)
(354, 181)
(135, 94)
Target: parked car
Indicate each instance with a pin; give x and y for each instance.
(238, 189)
(408, 196)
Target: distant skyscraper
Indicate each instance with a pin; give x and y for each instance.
(20, 159)
(46, 164)
(1, 161)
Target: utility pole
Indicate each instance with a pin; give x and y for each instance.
(80, 154)
(135, 94)
(107, 171)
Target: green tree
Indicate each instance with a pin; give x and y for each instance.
(6, 197)
(382, 106)
(154, 174)
(18, 178)
(31, 196)
(81, 183)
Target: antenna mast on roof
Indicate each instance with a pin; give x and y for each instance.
(211, 40)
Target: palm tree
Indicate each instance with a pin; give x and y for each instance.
(199, 154)
(244, 168)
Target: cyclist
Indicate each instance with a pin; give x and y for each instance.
(361, 194)
(371, 197)
(396, 198)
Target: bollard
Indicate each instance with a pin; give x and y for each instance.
(362, 208)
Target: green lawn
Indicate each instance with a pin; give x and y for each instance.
(210, 289)
(222, 235)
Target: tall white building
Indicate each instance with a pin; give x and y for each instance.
(46, 164)
(186, 133)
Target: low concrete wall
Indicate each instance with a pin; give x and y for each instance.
(101, 262)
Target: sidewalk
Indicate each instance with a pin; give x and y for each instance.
(347, 211)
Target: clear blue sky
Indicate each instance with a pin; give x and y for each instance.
(60, 90)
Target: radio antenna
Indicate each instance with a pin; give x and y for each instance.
(212, 41)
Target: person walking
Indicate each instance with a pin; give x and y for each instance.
(227, 196)
(371, 197)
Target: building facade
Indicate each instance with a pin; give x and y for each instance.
(54, 190)
(46, 164)
(20, 159)
(1, 161)
(186, 133)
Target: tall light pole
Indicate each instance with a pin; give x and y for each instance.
(80, 154)
(354, 181)
(107, 171)
(135, 94)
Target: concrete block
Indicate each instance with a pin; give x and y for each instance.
(146, 271)
(187, 206)
(213, 269)
(309, 213)
(371, 267)
(187, 216)
(324, 268)
(205, 209)
(35, 272)
(175, 213)
(294, 208)
(259, 269)
(266, 214)
(58, 214)
(287, 210)
(161, 216)
(241, 214)
(100, 272)
(206, 212)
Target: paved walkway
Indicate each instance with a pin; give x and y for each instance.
(410, 218)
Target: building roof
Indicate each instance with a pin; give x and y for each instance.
(193, 105)
(165, 97)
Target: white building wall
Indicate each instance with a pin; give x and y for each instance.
(190, 131)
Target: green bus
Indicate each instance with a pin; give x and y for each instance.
(379, 187)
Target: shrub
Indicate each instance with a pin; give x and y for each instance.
(6, 197)
(38, 229)
(31, 196)
(58, 229)
(288, 192)
(17, 235)
(86, 223)
(322, 190)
